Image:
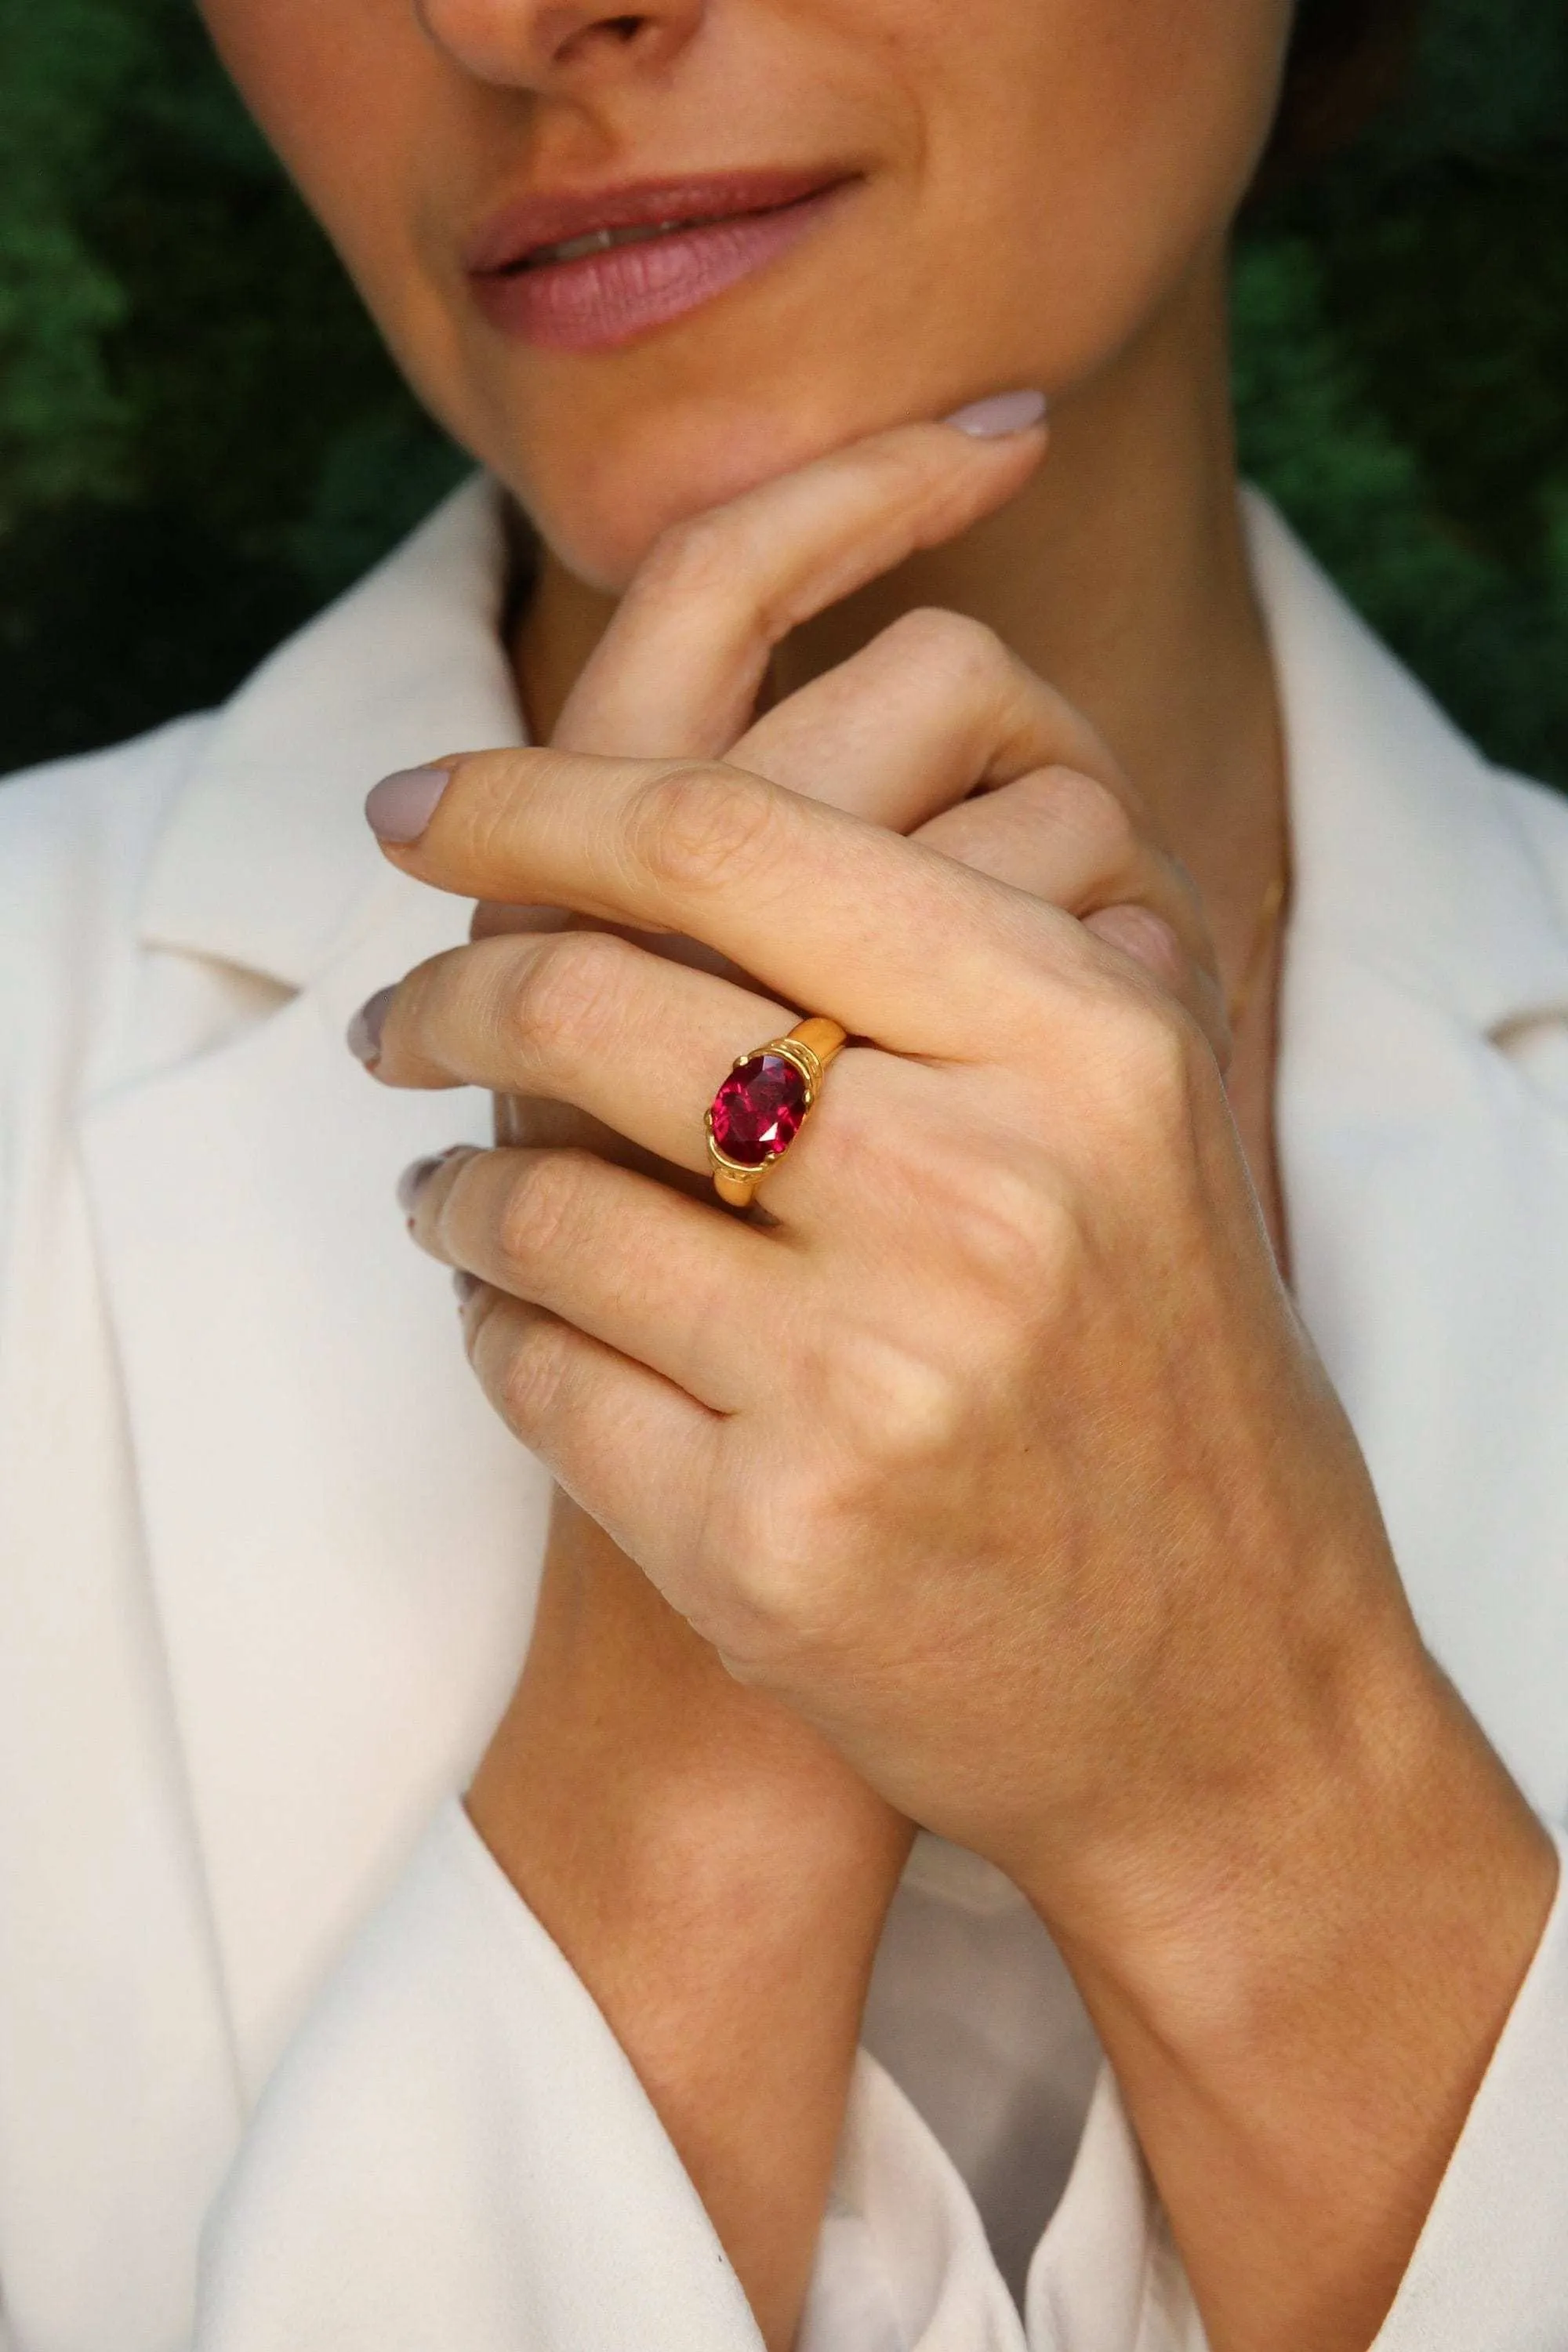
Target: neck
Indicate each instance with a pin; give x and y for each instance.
(1119, 574)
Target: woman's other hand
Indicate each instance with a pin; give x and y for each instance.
(936, 729)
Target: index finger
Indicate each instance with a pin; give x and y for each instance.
(834, 914)
(679, 669)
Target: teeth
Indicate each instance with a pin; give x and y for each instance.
(601, 240)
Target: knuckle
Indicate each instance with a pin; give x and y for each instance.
(964, 650)
(499, 786)
(421, 996)
(561, 1002)
(693, 559)
(716, 564)
(1007, 1217)
(701, 829)
(1016, 1232)
(1094, 816)
(895, 1405)
(763, 1538)
(532, 1380)
(990, 1197)
(911, 483)
(1150, 1055)
(1148, 937)
(541, 1214)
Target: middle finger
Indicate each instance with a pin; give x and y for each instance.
(641, 1045)
(580, 1017)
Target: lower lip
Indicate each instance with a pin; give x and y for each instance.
(605, 299)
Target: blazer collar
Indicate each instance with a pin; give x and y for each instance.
(267, 862)
(1409, 856)
(1423, 1171)
(1407, 852)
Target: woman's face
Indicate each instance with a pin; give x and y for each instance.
(928, 200)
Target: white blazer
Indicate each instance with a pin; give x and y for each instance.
(267, 1563)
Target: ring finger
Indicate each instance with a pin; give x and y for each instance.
(660, 1278)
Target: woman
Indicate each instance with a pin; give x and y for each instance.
(974, 1628)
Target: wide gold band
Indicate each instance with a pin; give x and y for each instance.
(811, 1045)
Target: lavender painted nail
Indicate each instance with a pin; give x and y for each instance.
(1005, 412)
(399, 808)
(413, 1179)
(365, 1028)
(418, 1172)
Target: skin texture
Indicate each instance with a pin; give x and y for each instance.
(1042, 1470)
(1011, 148)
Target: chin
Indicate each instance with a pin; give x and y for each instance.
(600, 502)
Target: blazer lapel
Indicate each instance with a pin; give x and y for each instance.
(341, 1635)
(1425, 1177)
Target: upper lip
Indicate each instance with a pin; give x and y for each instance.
(553, 217)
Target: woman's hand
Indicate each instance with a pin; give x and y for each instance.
(935, 728)
(1050, 1090)
(717, 1873)
(1000, 1456)
(1004, 1429)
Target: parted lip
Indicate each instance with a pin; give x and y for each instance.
(524, 228)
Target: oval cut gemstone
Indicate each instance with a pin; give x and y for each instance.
(758, 1109)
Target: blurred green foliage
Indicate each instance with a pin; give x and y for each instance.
(201, 439)
(1402, 371)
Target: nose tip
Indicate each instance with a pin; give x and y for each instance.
(535, 44)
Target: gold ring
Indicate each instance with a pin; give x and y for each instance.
(760, 1108)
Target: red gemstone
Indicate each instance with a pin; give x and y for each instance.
(758, 1109)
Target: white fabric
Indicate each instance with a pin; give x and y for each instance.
(973, 2012)
(266, 1567)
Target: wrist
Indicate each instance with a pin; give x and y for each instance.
(784, 1843)
(1300, 2006)
(633, 1774)
(716, 1877)
(1382, 1807)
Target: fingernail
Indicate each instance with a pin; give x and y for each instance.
(418, 1172)
(413, 1179)
(365, 1028)
(400, 807)
(465, 1284)
(1005, 412)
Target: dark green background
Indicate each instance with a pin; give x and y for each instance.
(200, 439)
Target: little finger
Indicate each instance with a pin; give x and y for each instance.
(641, 1457)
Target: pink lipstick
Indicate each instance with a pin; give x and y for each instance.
(584, 272)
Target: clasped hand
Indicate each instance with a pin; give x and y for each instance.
(988, 1451)
(996, 1449)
